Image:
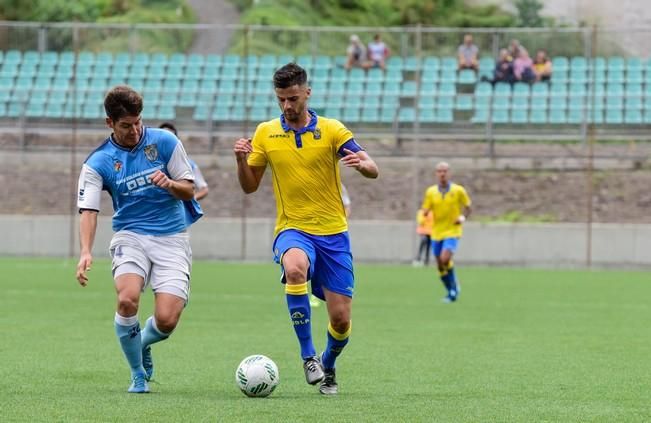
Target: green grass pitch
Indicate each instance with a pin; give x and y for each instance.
(520, 345)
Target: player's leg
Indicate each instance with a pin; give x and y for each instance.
(334, 277)
(130, 266)
(127, 327)
(295, 252)
(339, 329)
(170, 281)
(437, 251)
(445, 262)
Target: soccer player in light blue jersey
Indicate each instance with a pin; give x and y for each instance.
(148, 176)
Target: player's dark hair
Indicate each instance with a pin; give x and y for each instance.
(289, 75)
(170, 126)
(122, 101)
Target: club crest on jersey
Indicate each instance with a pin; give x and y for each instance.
(317, 133)
(117, 165)
(151, 152)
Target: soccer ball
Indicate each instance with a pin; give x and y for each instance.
(257, 376)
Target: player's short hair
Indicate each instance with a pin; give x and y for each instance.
(169, 126)
(122, 101)
(289, 75)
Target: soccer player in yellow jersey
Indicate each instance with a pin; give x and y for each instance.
(303, 151)
(450, 205)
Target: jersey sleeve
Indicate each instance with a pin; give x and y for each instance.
(199, 180)
(341, 134)
(464, 198)
(178, 165)
(427, 200)
(90, 189)
(258, 157)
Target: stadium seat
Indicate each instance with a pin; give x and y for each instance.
(560, 64)
(195, 61)
(231, 61)
(467, 76)
(375, 75)
(323, 62)
(538, 116)
(480, 116)
(557, 116)
(177, 60)
(388, 114)
(407, 115)
(409, 89)
(213, 61)
(431, 64)
(430, 77)
(444, 116)
(519, 116)
(614, 116)
(412, 63)
(464, 102)
(50, 58)
(448, 63)
(394, 63)
(616, 64)
(500, 116)
(427, 115)
(448, 76)
(633, 117)
(356, 76)
(370, 115)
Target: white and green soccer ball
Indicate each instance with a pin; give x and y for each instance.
(257, 376)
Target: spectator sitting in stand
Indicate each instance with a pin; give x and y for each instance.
(503, 69)
(378, 52)
(523, 67)
(355, 53)
(468, 54)
(542, 66)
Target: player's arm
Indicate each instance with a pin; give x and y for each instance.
(90, 190)
(87, 230)
(248, 176)
(361, 162)
(466, 209)
(180, 183)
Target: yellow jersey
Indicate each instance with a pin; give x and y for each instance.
(305, 170)
(446, 207)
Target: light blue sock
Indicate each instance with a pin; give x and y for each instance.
(128, 331)
(336, 343)
(151, 334)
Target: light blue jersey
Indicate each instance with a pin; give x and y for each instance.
(139, 206)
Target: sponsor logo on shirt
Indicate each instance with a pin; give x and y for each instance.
(117, 165)
(279, 136)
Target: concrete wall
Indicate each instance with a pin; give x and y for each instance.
(544, 245)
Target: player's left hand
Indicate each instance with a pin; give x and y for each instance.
(160, 179)
(460, 219)
(351, 159)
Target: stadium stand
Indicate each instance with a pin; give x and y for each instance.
(51, 85)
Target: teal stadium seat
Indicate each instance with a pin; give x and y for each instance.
(448, 63)
(448, 76)
(616, 64)
(407, 115)
(323, 62)
(394, 63)
(430, 76)
(501, 116)
(49, 58)
(560, 64)
(431, 63)
(557, 116)
(464, 103)
(370, 115)
(412, 63)
(633, 117)
(519, 116)
(538, 116)
(467, 76)
(614, 117)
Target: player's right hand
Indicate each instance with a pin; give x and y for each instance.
(85, 260)
(242, 148)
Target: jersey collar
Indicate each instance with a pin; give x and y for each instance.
(135, 147)
(311, 127)
(444, 190)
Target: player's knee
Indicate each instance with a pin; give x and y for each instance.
(127, 305)
(166, 323)
(295, 274)
(341, 323)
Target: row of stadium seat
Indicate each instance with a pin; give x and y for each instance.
(560, 63)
